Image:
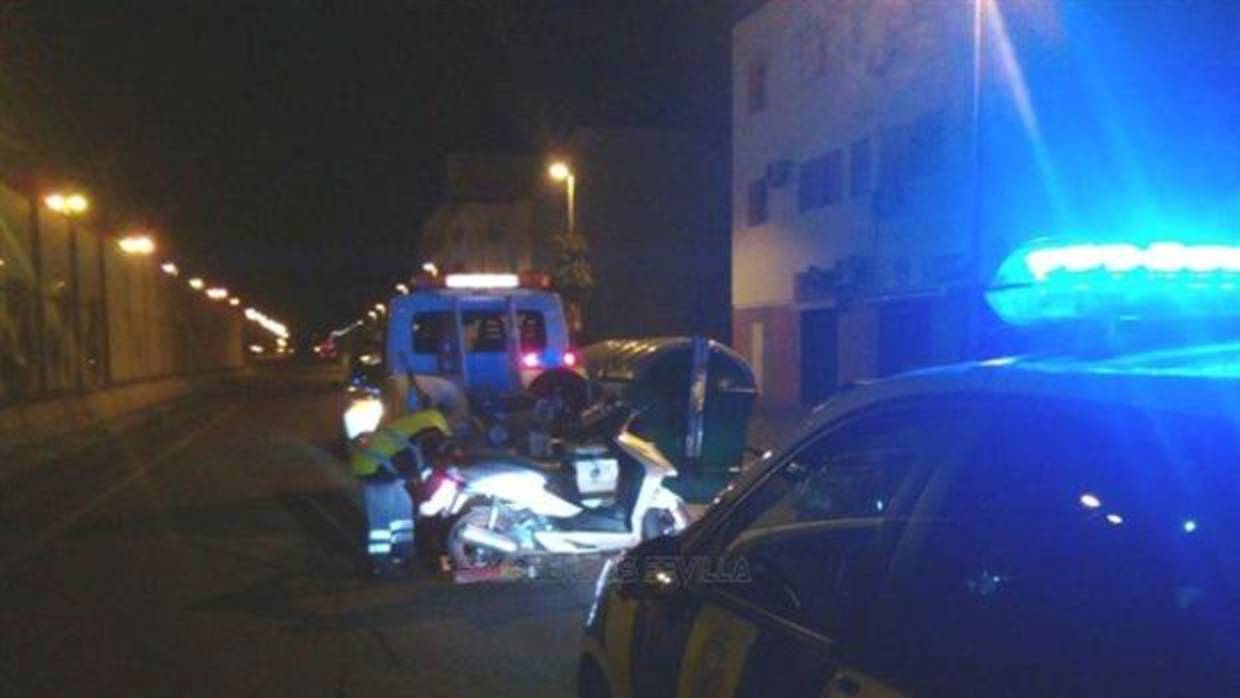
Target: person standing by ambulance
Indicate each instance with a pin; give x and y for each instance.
(386, 460)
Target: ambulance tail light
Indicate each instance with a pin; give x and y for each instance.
(570, 359)
(1053, 280)
(531, 360)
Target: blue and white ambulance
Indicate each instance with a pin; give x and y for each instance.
(491, 333)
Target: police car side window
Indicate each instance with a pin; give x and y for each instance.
(1055, 551)
(814, 534)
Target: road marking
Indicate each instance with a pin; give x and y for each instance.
(58, 529)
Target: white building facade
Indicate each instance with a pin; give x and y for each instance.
(854, 217)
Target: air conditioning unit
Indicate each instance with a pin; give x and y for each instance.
(779, 173)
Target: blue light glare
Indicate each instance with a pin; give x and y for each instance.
(1190, 526)
(1055, 280)
(1166, 257)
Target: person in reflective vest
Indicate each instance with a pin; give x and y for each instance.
(382, 462)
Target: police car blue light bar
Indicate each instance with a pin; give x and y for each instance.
(1055, 280)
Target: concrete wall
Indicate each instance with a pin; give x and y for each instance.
(77, 316)
(37, 421)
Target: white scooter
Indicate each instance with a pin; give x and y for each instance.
(605, 494)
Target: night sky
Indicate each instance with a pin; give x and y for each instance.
(292, 149)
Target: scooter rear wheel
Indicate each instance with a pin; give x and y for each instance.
(466, 555)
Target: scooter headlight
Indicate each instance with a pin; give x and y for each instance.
(362, 416)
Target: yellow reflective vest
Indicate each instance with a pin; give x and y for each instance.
(393, 437)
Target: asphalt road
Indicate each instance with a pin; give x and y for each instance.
(212, 551)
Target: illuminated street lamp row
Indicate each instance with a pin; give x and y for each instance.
(74, 204)
(272, 326)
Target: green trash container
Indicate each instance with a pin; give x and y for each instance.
(704, 437)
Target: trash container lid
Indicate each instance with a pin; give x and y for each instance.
(626, 360)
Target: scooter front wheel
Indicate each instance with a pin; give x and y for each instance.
(663, 522)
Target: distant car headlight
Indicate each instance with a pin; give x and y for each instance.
(362, 416)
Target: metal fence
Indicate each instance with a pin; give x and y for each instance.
(76, 314)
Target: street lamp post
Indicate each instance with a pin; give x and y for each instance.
(71, 206)
(561, 172)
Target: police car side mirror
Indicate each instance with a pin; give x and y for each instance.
(652, 570)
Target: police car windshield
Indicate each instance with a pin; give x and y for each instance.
(483, 331)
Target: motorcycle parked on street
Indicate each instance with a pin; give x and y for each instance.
(604, 493)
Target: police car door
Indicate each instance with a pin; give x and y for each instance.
(802, 555)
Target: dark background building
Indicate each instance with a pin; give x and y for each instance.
(652, 205)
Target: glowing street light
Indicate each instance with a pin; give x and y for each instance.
(170, 269)
(67, 204)
(71, 206)
(217, 294)
(430, 268)
(136, 245)
(197, 284)
(561, 172)
(402, 288)
(234, 302)
(379, 307)
(373, 315)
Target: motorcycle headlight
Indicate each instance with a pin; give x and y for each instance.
(362, 416)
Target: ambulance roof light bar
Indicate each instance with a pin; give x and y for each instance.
(482, 281)
(1051, 280)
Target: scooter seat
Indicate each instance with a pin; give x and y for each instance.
(504, 459)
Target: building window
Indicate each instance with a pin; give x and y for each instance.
(926, 144)
(911, 150)
(812, 55)
(757, 202)
(861, 168)
(757, 86)
(821, 182)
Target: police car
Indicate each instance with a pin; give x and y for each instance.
(1063, 523)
